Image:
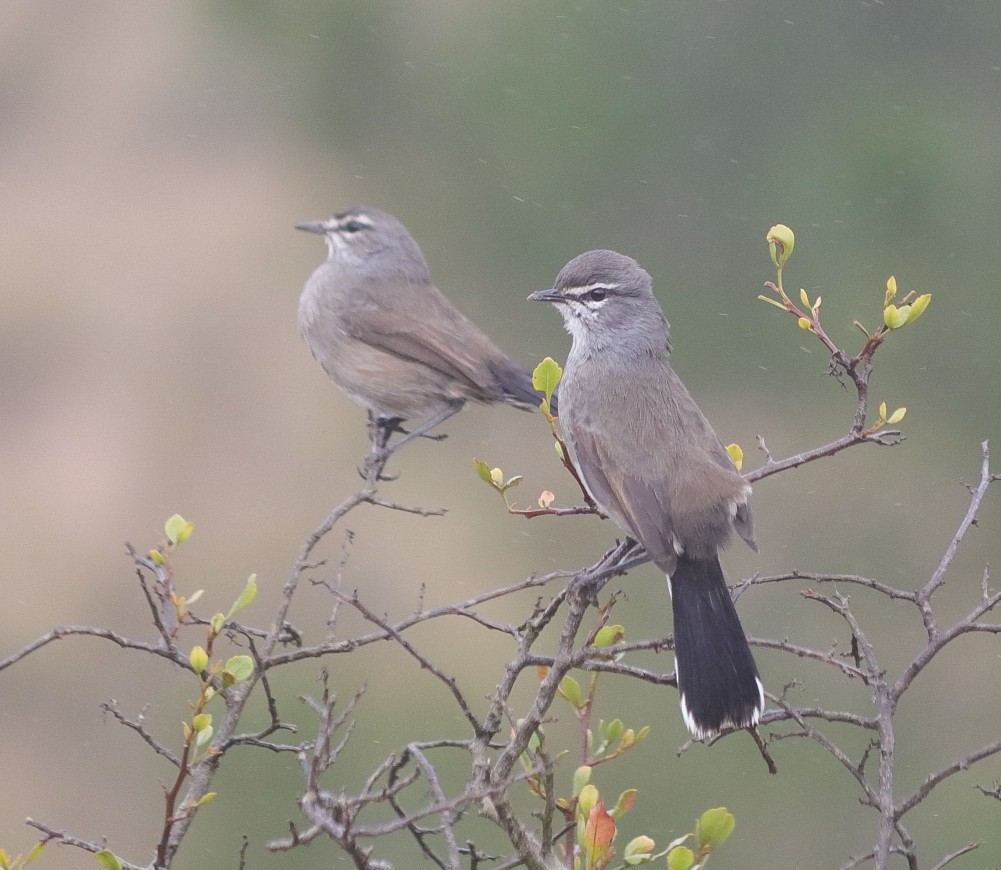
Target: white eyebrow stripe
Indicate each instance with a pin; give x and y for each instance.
(356, 218)
(587, 288)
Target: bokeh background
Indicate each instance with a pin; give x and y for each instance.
(153, 161)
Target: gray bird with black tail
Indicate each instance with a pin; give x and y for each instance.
(388, 337)
(651, 462)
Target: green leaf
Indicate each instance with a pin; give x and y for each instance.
(638, 850)
(570, 689)
(239, 667)
(581, 777)
(248, 595)
(203, 736)
(512, 482)
(206, 798)
(587, 799)
(680, 858)
(218, 623)
(714, 827)
(624, 804)
(535, 741)
(918, 307)
(895, 317)
(178, 529)
(34, 853)
(608, 635)
(108, 860)
(614, 730)
(546, 376)
(483, 470)
(736, 454)
(201, 721)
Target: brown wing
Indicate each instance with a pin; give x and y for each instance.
(427, 329)
(639, 507)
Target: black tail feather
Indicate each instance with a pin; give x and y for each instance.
(717, 678)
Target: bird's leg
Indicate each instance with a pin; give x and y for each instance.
(385, 427)
(590, 581)
(617, 554)
(421, 431)
(380, 430)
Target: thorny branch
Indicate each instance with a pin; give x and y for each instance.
(490, 787)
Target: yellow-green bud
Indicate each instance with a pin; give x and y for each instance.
(781, 241)
(199, 659)
(891, 290)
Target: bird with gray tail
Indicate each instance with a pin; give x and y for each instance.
(651, 462)
(389, 338)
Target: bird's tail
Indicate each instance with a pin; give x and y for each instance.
(717, 678)
(517, 389)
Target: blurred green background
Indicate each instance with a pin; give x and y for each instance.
(154, 160)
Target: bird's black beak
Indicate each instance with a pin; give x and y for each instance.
(317, 227)
(552, 295)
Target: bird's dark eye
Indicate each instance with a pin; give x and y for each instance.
(353, 226)
(597, 294)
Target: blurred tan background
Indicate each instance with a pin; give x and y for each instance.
(153, 161)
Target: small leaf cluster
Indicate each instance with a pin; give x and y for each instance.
(781, 242)
(905, 312)
(596, 827)
(712, 829)
(596, 830)
(214, 675)
(178, 530)
(16, 862)
(896, 315)
(593, 826)
(494, 477)
(545, 379)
